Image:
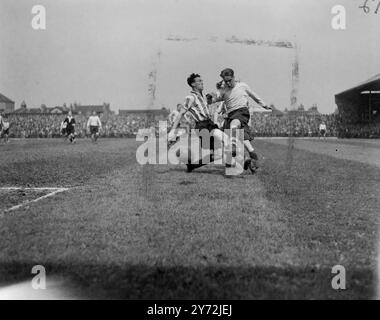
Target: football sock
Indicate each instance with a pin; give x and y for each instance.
(253, 155)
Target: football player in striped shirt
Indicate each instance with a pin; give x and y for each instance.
(196, 105)
(63, 128)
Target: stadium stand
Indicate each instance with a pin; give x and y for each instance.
(6, 104)
(28, 125)
(45, 122)
(359, 110)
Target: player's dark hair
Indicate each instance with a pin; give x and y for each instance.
(227, 72)
(191, 79)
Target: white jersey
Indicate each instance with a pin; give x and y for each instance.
(5, 125)
(322, 127)
(237, 97)
(94, 121)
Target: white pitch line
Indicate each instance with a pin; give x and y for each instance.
(56, 190)
(30, 188)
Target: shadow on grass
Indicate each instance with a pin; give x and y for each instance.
(217, 171)
(204, 170)
(109, 281)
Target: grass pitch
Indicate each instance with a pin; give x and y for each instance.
(156, 232)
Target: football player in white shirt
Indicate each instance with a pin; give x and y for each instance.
(93, 126)
(235, 95)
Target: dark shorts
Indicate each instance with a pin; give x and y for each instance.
(70, 130)
(209, 125)
(6, 131)
(243, 116)
(323, 132)
(94, 129)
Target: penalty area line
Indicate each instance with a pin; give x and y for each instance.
(53, 192)
(32, 188)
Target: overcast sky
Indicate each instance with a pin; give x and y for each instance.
(102, 51)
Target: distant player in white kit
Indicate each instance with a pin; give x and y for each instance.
(322, 130)
(1, 123)
(184, 124)
(174, 114)
(93, 126)
(4, 128)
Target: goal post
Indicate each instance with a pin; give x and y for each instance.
(270, 67)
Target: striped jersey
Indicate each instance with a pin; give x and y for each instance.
(196, 105)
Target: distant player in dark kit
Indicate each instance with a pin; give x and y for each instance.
(93, 126)
(70, 127)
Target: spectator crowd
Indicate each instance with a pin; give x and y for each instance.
(266, 125)
(49, 126)
(262, 124)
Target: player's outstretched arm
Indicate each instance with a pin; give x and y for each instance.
(257, 99)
